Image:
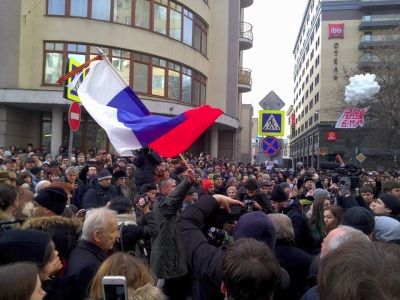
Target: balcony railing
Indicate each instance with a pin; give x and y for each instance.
(246, 3)
(382, 40)
(379, 21)
(245, 36)
(367, 4)
(244, 80)
(368, 61)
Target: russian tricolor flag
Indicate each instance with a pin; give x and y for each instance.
(129, 124)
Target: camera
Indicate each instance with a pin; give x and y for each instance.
(248, 205)
(217, 237)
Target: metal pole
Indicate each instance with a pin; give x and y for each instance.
(71, 139)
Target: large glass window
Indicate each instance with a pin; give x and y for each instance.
(56, 7)
(123, 11)
(186, 88)
(187, 27)
(142, 14)
(174, 85)
(196, 93)
(140, 82)
(175, 21)
(101, 9)
(197, 37)
(158, 82)
(79, 8)
(121, 61)
(53, 62)
(160, 17)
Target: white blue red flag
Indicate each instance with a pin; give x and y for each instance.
(129, 124)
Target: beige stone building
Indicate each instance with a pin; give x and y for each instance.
(333, 40)
(175, 54)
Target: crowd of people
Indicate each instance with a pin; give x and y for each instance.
(193, 227)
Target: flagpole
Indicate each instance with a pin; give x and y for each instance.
(184, 160)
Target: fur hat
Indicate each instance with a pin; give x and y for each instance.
(180, 169)
(53, 198)
(392, 203)
(104, 174)
(359, 218)
(278, 194)
(23, 245)
(256, 225)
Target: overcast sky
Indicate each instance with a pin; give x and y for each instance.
(275, 28)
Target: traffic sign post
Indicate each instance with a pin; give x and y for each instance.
(74, 121)
(272, 101)
(271, 123)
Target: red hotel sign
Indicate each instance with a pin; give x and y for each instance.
(331, 136)
(336, 31)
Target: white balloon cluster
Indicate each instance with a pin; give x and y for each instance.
(361, 88)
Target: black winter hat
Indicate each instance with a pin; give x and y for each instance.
(278, 194)
(53, 198)
(359, 218)
(391, 202)
(180, 169)
(251, 185)
(258, 226)
(23, 245)
(119, 174)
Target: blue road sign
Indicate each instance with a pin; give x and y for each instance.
(271, 123)
(270, 146)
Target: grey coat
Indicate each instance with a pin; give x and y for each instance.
(167, 256)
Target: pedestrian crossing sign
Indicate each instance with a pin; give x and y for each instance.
(271, 123)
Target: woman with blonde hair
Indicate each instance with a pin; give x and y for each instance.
(140, 281)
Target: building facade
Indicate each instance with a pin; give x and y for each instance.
(175, 55)
(334, 40)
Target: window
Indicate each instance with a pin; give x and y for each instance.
(78, 8)
(140, 83)
(160, 16)
(187, 27)
(56, 7)
(367, 37)
(175, 21)
(142, 14)
(147, 75)
(316, 117)
(174, 85)
(121, 61)
(311, 104)
(306, 110)
(101, 9)
(186, 88)
(317, 79)
(53, 62)
(316, 98)
(317, 61)
(311, 87)
(158, 81)
(306, 125)
(123, 11)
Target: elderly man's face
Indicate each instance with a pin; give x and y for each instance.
(108, 236)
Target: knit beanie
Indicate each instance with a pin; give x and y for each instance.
(392, 203)
(104, 174)
(359, 218)
(23, 245)
(53, 198)
(256, 225)
(278, 194)
(386, 229)
(321, 194)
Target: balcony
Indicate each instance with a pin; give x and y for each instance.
(379, 41)
(246, 3)
(376, 4)
(244, 80)
(245, 36)
(379, 22)
(369, 61)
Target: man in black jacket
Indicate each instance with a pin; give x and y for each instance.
(252, 195)
(208, 263)
(99, 233)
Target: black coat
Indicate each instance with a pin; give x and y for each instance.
(83, 263)
(261, 198)
(146, 163)
(302, 232)
(99, 196)
(296, 262)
